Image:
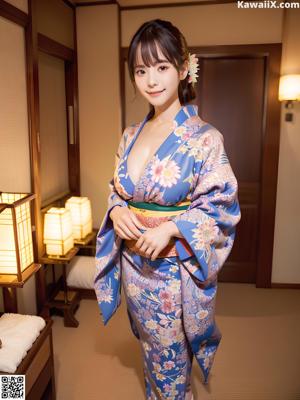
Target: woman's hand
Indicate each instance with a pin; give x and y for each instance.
(126, 224)
(154, 240)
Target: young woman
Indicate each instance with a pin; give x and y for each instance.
(171, 217)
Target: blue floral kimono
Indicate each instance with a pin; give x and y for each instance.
(171, 301)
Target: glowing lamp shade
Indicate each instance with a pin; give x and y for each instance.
(289, 87)
(16, 251)
(80, 208)
(58, 235)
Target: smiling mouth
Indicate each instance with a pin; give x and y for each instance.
(156, 92)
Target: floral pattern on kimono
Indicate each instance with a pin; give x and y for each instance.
(191, 164)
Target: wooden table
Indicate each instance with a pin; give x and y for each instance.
(66, 300)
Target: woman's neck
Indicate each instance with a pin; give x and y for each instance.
(167, 112)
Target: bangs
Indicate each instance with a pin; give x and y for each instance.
(148, 51)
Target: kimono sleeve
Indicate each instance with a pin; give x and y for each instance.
(208, 225)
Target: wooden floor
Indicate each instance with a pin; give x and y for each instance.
(258, 357)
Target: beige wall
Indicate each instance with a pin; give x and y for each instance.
(99, 101)
(13, 114)
(53, 127)
(55, 20)
(286, 264)
(212, 24)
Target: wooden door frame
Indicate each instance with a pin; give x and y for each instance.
(271, 53)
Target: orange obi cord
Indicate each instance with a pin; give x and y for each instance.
(152, 215)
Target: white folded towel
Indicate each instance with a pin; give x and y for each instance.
(18, 333)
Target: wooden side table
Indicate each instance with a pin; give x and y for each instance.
(66, 300)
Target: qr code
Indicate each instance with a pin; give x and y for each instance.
(12, 387)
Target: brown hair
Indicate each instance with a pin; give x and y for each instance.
(173, 46)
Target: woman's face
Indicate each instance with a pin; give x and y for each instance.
(158, 83)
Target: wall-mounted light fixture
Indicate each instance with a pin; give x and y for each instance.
(289, 91)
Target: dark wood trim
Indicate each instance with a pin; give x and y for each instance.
(96, 3)
(234, 50)
(62, 259)
(285, 286)
(18, 280)
(84, 293)
(14, 218)
(169, 5)
(10, 300)
(123, 59)
(72, 99)
(74, 150)
(269, 168)
(38, 390)
(33, 116)
(69, 4)
(13, 13)
(18, 202)
(121, 74)
(34, 144)
(161, 5)
(53, 48)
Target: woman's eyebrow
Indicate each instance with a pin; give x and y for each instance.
(155, 63)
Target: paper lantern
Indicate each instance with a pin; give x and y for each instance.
(81, 214)
(58, 235)
(16, 250)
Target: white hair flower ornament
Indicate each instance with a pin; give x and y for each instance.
(193, 68)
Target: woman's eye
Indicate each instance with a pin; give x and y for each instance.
(142, 72)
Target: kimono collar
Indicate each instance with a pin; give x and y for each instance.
(185, 112)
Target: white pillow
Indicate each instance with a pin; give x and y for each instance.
(81, 272)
